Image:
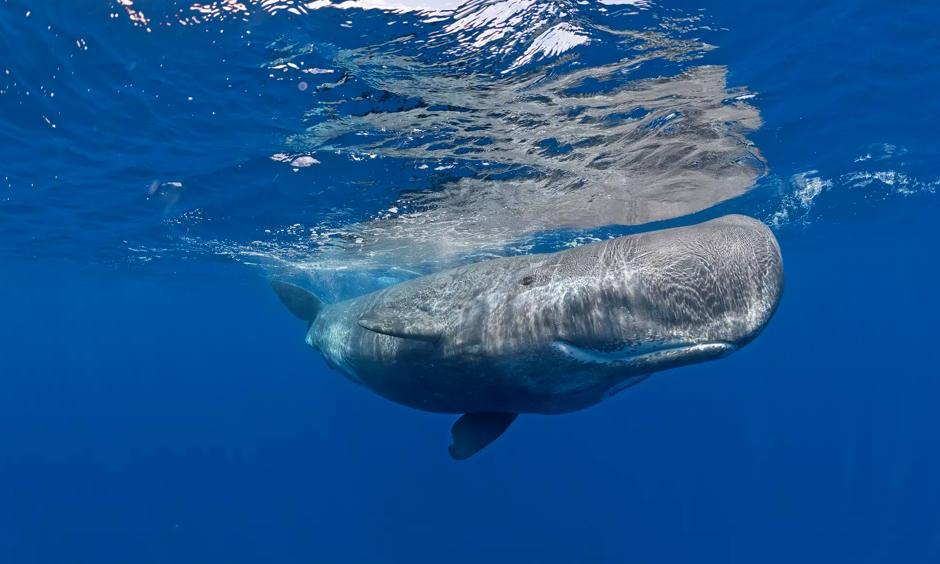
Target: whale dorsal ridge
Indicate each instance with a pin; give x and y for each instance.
(299, 301)
(473, 431)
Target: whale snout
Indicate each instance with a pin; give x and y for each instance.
(672, 297)
(728, 280)
(747, 283)
(683, 295)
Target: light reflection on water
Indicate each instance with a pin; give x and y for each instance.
(532, 141)
(388, 142)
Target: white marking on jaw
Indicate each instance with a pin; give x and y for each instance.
(633, 355)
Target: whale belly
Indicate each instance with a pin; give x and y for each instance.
(549, 384)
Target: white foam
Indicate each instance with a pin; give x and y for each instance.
(552, 42)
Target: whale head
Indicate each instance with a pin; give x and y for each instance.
(666, 298)
(639, 303)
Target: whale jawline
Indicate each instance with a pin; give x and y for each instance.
(632, 357)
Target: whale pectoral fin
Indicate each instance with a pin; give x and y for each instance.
(417, 329)
(473, 431)
(299, 301)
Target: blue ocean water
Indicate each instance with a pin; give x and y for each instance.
(160, 161)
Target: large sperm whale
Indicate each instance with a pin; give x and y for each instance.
(551, 333)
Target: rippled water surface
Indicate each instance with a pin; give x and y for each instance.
(160, 160)
(304, 135)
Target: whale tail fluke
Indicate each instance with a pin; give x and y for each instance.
(473, 431)
(302, 303)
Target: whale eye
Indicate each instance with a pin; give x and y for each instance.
(527, 280)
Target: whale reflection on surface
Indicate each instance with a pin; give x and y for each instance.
(559, 158)
(652, 150)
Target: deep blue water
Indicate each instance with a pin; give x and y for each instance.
(159, 405)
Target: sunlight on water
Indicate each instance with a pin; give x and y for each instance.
(378, 140)
(527, 150)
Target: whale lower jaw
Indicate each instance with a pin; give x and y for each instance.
(657, 358)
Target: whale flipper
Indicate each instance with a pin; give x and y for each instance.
(299, 301)
(473, 431)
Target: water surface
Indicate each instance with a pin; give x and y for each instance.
(159, 161)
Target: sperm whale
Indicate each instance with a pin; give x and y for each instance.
(551, 333)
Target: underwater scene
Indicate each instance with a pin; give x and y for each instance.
(444, 281)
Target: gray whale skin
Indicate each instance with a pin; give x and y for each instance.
(551, 333)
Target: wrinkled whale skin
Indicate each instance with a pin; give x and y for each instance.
(555, 333)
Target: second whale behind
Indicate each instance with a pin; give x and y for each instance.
(551, 333)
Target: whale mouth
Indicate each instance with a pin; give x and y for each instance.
(648, 356)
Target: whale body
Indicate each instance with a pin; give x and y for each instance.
(551, 333)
